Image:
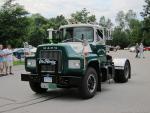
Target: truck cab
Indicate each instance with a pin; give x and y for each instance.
(76, 58)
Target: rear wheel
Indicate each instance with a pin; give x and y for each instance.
(89, 84)
(122, 76)
(36, 87)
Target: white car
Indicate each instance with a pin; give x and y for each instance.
(132, 49)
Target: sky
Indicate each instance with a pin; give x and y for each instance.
(107, 8)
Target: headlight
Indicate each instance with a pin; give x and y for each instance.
(74, 64)
(31, 63)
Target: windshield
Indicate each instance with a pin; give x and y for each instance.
(77, 33)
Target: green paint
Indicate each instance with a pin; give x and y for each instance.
(52, 86)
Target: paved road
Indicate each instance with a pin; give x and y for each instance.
(131, 97)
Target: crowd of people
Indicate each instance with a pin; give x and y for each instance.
(6, 60)
(139, 49)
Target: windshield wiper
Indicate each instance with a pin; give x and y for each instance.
(73, 40)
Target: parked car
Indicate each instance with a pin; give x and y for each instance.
(21, 52)
(132, 49)
(33, 50)
(117, 48)
(18, 53)
(147, 48)
(128, 47)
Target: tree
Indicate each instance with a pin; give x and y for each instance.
(135, 35)
(120, 38)
(57, 22)
(120, 19)
(128, 27)
(133, 27)
(109, 23)
(37, 30)
(146, 23)
(39, 25)
(105, 22)
(92, 18)
(130, 16)
(102, 21)
(82, 16)
(146, 13)
(13, 22)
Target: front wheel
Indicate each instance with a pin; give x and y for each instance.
(89, 83)
(122, 76)
(36, 87)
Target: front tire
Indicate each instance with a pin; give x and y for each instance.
(89, 84)
(122, 76)
(36, 87)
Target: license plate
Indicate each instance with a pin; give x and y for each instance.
(48, 79)
(48, 86)
(45, 85)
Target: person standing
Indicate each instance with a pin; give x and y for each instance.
(141, 50)
(9, 59)
(1, 59)
(137, 50)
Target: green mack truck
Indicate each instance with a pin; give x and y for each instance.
(78, 60)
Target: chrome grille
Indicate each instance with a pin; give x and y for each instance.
(52, 55)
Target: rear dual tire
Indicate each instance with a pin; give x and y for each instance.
(122, 76)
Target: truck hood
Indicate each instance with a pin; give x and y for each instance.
(72, 49)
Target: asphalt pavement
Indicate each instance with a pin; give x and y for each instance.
(132, 97)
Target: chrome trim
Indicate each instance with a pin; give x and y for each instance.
(61, 68)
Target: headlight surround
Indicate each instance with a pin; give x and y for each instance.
(31, 63)
(74, 64)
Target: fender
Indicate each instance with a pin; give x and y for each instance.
(119, 63)
(93, 60)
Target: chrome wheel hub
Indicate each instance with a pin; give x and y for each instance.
(91, 83)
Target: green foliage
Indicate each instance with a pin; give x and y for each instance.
(105, 22)
(39, 25)
(16, 26)
(120, 19)
(128, 31)
(135, 31)
(13, 22)
(120, 38)
(37, 29)
(19, 62)
(130, 15)
(146, 13)
(146, 23)
(55, 23)
(82, 16)
(92, 18)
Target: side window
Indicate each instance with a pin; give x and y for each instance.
(69, 33)
(99, 35)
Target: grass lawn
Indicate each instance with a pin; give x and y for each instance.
(18, 63)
